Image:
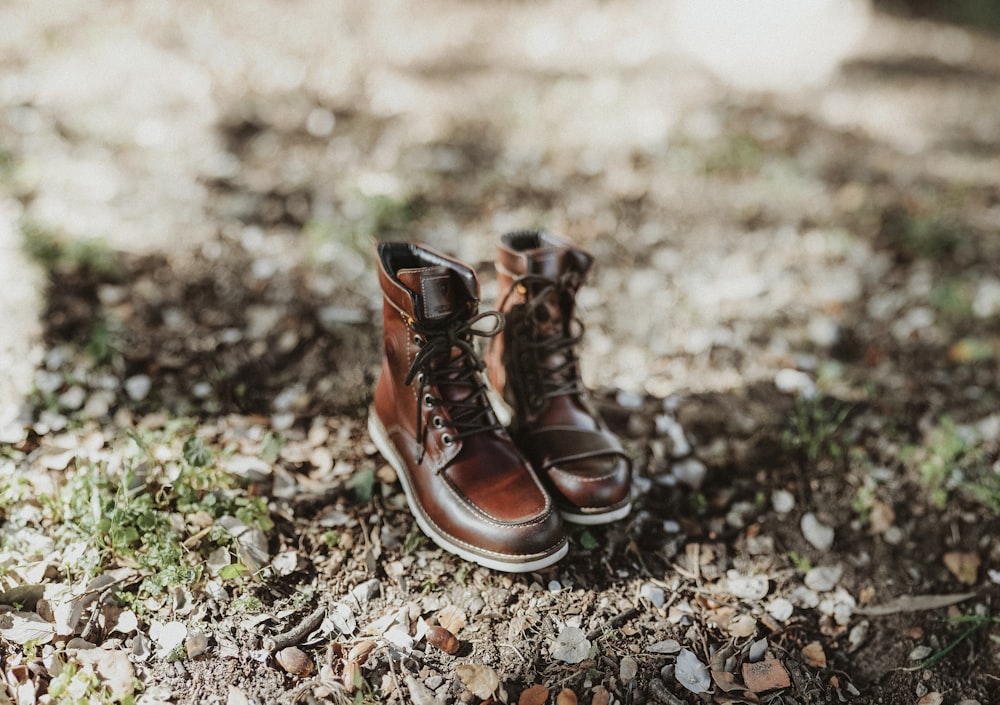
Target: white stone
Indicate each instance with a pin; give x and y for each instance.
(783, 501)
(138, 387)
(823, 578)
(816, 533)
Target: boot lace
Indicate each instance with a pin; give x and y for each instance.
(544, 342)
(447, 358)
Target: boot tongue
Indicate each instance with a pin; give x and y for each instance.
(439, 290)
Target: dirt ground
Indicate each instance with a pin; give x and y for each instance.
(793, 324)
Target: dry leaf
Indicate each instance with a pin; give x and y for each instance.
(114, 667)
(692, 673)
(566, 697)
(481, 680)
(814, 655)
(963, 565)
(22, 627)
(932, 698)
(535, 695)
(601, 696)
(237, 697)
(571, 646)
(914, 603)
(451, 618)
(742, 625)
(628, 669)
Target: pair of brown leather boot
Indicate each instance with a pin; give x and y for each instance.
(493, 495)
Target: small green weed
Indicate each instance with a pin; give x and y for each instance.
(951, 458)
(922, 235)
(82, 686)
(974, 624)
(136, 510)
(55, 251)
(736, 154)
(815, 429)
(801, 563)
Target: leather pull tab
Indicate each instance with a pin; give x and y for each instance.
(436, 289)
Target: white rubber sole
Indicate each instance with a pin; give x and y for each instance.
(494, 561)
(596, 519)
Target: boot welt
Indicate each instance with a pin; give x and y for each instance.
(487, 559)
(604, 515)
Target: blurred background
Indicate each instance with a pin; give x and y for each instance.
(189, 191)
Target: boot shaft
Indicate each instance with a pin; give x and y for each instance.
(538, 277)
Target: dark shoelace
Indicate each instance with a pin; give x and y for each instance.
(437, 365)
(563, 378)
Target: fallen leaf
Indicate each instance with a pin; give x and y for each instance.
(628, 668)
(566, 697)
(813, 655)
(114, 667)
(571, 646)
(692, 673)
(482, 681)
(167, 636)
(237, 697)
(742, 625)
(726, 681)
(963, 565)
(535, 695)
(451, 618)
(932, 698)
(667, 646)
(420, 694)
(601, 696)
(914, 603)
(22, 627)
(765, 675)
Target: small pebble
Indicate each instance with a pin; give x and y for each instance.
(690, 472)
(823, 578)
(73, 398)
(816, 533)
(654, 593)
(138, 387)
(792, 381)
(783, 501)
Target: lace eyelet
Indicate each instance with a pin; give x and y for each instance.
(418, 339)
(447, 439)
(438, 422)
(428, 400)
(420, 377)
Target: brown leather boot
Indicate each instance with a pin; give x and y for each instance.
(533, 365)
(470, 489)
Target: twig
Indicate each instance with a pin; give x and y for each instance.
(616, 621)
(296, 634)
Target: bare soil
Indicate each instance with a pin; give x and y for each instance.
(794, 313)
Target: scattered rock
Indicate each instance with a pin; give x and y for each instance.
(823, 578)
(295, 661)
(816, 533)
(442, 639)
(782, 501)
